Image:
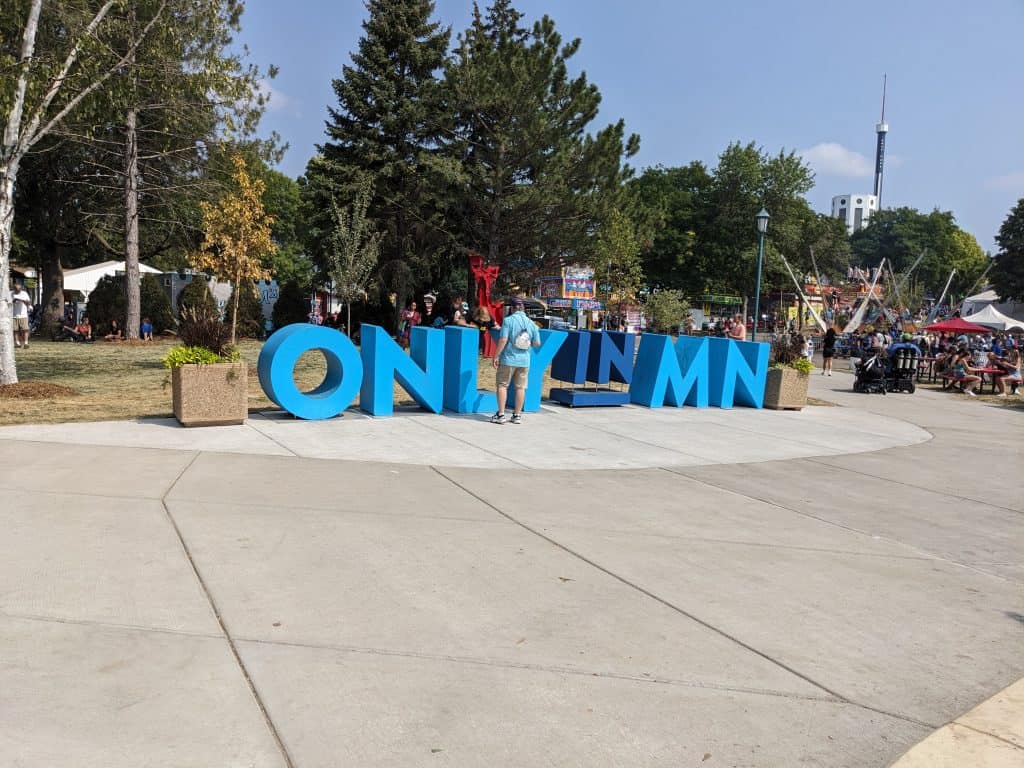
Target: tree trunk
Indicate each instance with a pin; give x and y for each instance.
(52, 273)
(131, 221)
(234, 310)
(8, 370)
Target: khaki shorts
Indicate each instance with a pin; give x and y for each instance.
(20, 324)
(514, 374)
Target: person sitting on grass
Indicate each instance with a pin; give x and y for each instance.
(81, 332)
(146, 330)
(115, 332)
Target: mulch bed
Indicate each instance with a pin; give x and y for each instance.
(35, 390)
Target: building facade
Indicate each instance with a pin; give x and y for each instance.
(855, 210)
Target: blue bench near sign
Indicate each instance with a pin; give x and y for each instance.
(440, 370)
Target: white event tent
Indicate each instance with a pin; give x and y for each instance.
(85, 279)
(991, 317)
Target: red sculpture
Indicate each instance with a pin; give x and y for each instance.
(484, 278)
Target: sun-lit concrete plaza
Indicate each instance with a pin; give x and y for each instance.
(623, 587)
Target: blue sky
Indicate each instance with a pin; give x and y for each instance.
(689, 77)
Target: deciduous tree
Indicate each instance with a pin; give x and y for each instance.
(59, 55)
(237, 242)
(1008, 272)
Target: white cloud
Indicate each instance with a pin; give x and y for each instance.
(1009, 181)
(834, 159)
(276, 99)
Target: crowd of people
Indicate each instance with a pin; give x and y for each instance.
(962, 357)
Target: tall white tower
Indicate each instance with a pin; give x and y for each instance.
(881, 128)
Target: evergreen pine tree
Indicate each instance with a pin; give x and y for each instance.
(535, 183)
(387, 123)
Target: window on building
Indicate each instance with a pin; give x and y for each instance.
(842, 214)
(858, 218)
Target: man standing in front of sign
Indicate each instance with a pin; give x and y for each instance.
(512, 360)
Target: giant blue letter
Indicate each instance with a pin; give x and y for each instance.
(739, 372)
(276, 368)
(420, 374)
(694, 362)
(657, 378)
(461, 359)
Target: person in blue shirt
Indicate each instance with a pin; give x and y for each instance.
(146, 330)
(512, 360)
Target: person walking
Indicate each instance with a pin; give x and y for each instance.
(512, 360)
(828, 351)
(22, 305)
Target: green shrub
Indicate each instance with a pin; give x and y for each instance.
(292, 305)
(666, 310)
(155, 304)
(196, 294)
(107, 302)
(183, 355)
(250, 312)
(787, 352)
(202, 327)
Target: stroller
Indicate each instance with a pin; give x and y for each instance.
(871, 373)
(877, 373)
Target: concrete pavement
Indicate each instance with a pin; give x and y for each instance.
(628, 588)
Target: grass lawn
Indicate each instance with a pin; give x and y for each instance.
(114, 380)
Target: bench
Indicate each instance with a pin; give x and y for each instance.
(950, 381)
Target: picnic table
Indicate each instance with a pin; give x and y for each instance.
(995, 373)
(949, 380)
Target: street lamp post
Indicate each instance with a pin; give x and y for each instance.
(762, 227)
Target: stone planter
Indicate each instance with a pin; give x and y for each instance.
(786, 389)
(210, 395)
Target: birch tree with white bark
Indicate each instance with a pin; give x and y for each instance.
(46, 89)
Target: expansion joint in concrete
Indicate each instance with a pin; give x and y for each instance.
(289, 763)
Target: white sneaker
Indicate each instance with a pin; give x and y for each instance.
(830, 373)
(970, 392)
(1001, 394)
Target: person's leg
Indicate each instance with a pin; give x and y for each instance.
(520, 379)
(520, 400)
(501, 380)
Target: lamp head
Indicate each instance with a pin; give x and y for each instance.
(762, 221)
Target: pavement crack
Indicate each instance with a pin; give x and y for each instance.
(552, 668)
(633, 585)
(683, 612)
(925, 553)
(106, 625)
(286, 756)
(252, 425)
(876, 478)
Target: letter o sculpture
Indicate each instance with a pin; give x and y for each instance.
(340, 386)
